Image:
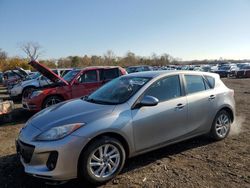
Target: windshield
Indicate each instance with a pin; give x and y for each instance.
(245, 67)
(225, 68)
(134, 69)
(70, 75)
(35, 75)
(118, 90)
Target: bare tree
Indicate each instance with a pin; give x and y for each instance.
(109, 57)
(32, 50)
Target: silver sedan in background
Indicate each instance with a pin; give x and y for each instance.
(91, 137)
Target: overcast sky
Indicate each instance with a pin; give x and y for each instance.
(188, 29)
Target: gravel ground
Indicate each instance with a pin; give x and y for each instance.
(198, 162)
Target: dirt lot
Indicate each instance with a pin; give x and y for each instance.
(194, 163)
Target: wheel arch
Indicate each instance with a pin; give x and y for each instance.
(28, 86)
(229, 111)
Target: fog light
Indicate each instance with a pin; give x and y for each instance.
(51, 163)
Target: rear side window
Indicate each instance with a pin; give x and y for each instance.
(165, 89)
(109, 74)
(56, 72)
(194, 83)
(211, 81)
(89, 76)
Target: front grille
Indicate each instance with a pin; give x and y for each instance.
(240, 73)
(25, 150)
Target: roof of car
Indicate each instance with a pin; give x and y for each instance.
(153, 74)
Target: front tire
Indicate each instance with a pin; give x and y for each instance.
(102, 160)
(52, 100)
(221, 125)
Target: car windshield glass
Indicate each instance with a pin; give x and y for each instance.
(35, 75)
(245, 67)
(118, 90)
(70, 75)
(225, 68)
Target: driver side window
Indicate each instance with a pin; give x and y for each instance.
(165, 89)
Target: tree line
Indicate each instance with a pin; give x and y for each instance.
(33, 52)
(108, 59)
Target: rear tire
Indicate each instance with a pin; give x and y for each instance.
(102, 160)
(221, 125)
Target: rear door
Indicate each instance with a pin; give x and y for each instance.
(86, 83)
(201, 101)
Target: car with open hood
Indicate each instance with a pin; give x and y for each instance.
(11, 77)
(35, 81)
(91, 137)
(74, 84)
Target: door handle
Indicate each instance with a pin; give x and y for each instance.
(179, 106)
(211, 97)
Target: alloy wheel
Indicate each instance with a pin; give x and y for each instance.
(104, 161)
(52, 101)
(222, 125)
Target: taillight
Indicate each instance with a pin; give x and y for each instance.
(124, 72)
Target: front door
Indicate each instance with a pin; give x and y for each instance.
(166, 121)
(85, 84)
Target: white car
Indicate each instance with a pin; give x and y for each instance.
(37, 81)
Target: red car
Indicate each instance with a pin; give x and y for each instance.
(75, 84)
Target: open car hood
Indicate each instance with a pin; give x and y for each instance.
(45, 71)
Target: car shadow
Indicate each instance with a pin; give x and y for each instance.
(17, 116)
(165, 152)
(12, 173)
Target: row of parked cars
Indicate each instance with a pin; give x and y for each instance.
(47, 87)
(239, 70)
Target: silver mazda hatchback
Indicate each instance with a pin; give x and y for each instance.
(91, 137)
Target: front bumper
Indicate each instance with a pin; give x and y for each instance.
(31, 105)
(15, 92)
(35, 156)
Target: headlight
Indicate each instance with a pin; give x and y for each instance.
(35, 93)
(59, 132)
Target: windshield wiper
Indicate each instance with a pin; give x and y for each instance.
(86, 98)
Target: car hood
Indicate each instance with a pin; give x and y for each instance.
(45, 71)
(72, 111)
(243, 70)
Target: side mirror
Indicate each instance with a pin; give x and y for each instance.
(76, 82)
(147, 101)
